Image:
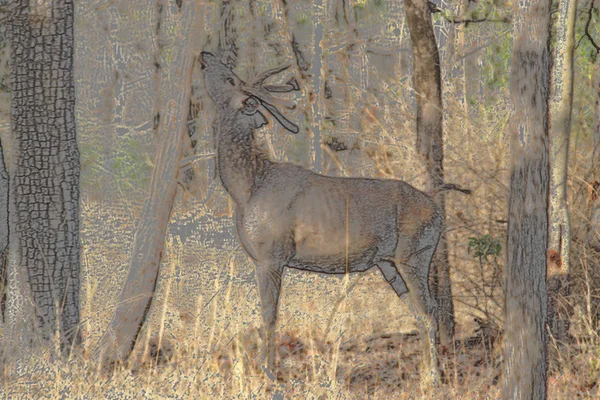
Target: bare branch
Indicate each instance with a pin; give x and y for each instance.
(505, 20)
(587, 29)
(435, 9)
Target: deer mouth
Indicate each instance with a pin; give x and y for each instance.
(258, 93)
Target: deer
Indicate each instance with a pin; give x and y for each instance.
(288, 216)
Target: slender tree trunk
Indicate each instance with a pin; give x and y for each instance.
(596, 154)
(175, 74)
(525, 355)
(561, 107)
(44, 190)
(227, 35)
(113, 98)
(430, 143)
(317, 70)
(4, 189)
(312, 72)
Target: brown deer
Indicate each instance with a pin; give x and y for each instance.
(289, 216)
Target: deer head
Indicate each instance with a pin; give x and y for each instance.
(228, 91)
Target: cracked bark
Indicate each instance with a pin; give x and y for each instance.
(430, 145)
(44, 189)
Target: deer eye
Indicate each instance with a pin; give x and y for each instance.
(231, 81)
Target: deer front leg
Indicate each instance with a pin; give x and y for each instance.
(269, 283)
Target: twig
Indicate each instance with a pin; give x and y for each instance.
(505, 20)
(587, 29)
(435, 9)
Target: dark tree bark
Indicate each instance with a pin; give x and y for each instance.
(4, 186)
(44, 190)
(525, 354)
(430, 144)
(175, 82)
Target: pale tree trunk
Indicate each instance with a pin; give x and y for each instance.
(430, 144)
(113, 97)
(559, 237)
(312, 72)
(227, 35)
(525, 354)
(596, 154)
(317, 70)
(178, 31)
(44, 246)
(4, 188)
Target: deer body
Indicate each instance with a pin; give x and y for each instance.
(326, 224)
(288, 216)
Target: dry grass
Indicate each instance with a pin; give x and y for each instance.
(338, 338)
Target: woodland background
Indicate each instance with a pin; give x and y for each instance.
(341, 336)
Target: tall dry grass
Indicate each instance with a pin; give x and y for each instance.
(339, 337)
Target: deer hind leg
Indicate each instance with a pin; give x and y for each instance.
(269, 283)
(392, 276)
(414, 268)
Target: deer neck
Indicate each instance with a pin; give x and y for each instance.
(241, 164)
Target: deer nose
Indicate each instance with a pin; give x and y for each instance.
(251, 102)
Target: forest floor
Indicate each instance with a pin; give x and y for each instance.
(338, 337)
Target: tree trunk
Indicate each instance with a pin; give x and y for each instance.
(561, 109)
(44, 190)
(525, 360)
(312, 72)
(430, 144)
(596, 154)
(178, 33)
(4, 187)
(317, 70)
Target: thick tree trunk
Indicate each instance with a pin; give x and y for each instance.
(525, 360)
(4, 187)
(175, 74)
(44, 190)
(430, 143)
(561, 107)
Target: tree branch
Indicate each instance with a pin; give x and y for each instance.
(587, 29)
(435, 9)
(505, 20)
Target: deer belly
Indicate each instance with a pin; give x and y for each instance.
(334, 264)
(334, 253)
